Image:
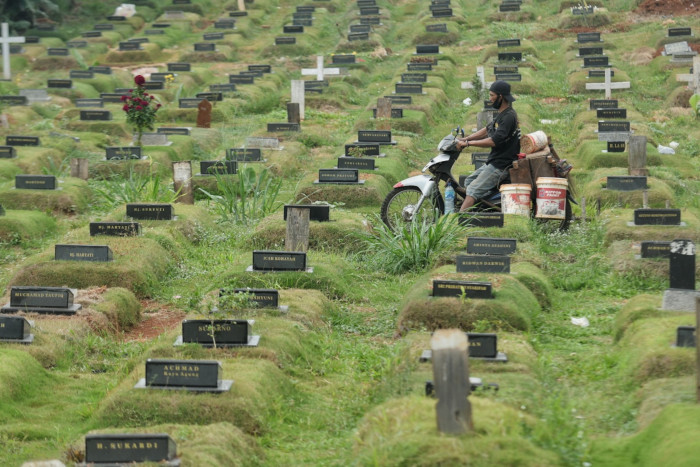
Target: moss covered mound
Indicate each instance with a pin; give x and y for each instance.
(671, 439)
(73, 196)
(619, 230)
(596, 189)
(20, 375)
(246, 405)
(371, 193)
(511, 308)
(403, 432)
(139, 265)
(121, 308)
(18, 226)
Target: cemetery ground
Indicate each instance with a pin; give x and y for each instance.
(336, 377)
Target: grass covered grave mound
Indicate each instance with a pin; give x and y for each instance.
(596, 189)
(72, 196)
(372, 192)
(639, 307)
(511, 308)
(671, 437)
(403, 431)
(21, 226)
(338, 234)
(618, 229)
(20, 375)
(625, 258)
(121, 307)
(246, 405)
(139, 265)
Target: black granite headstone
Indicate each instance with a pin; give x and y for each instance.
(59, 83)
(470, 289)
(357, 150)
(122, 152)
(682, 265)
(427, 49)
(35, 182)
(483, 263)
(510, 56)
(374, 136)
(482, 345)
(115, 229)
(220, 167)
(15, 328)
(675, 32)
(149, 211)
(400, 100)
(583, 37)
(225, 332)
(276, 127)
(317, 212)
(285, 40)
(41, 300)
(7, 152)
(359, 163)
(338, 176)
(165, 373)
(603, 104)
(611, 113)
(508, 43)
(13, 100)
(292, 29)
(179, 66)
(57, 52)
(655, 249)
(266, 260)
(127, 448)
(491, 246)
(204, 47)
(129, 46)
(180, 131)
(95, 115)
(685, 336)
(604, 127)
(657, 217)
(244, 154)
(262, 298)
(626, 183)
(616, 146)
(599, 73)
(87, 102)
(97, 253)
(596, 61)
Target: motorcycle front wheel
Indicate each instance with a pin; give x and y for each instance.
(398, 207)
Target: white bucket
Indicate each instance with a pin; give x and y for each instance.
(515, 199)
(551, 198)
(533, 142)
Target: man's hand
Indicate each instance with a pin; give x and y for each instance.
(462, 143)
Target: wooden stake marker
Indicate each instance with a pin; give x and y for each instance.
(451, 379)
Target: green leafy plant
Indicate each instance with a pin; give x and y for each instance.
(246, 199)
(695, 104)
(412, 247)
(136, 188)
(140, 108)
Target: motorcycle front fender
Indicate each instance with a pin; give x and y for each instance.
(423, 182)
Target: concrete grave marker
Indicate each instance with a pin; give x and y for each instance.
(608, 85)
(5, 41)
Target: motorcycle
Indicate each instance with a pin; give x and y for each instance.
(419, 198)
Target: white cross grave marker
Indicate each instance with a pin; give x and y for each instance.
(608, 85)
(693, 79)
(6, 40)
(319, 71)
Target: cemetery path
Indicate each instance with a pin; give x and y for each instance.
(155, 322)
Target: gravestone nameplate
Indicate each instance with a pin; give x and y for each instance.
(492, 263)
(419, 66)
(616, 146)
(268, 260)
(583, 37)
(603, 104)
(510, 77)
(210, 96)
(225, 87)
(373, 20)
(189, 102)
(111, 97)
(7, 152)
(225, 24)
(292, 29)
(171, 130)
(213, 36)
(676, 32)
(179, 66)
(605, 127)
(154, 32)
(15, 329)
(482, 219)
(59, 83)
(395, 113)
(41, 300)
(359, 163)
(204, 47)
(95, 115)
(611, 113)
(585, 51)
(682, 265)
(427, 49)
(442, 12)
(35, 182)
(97, 253)
(140, 40)
(596, 61)
(190, 375)
(649, 216)
(14, 100)
(626, 183)
(31, 39)
(599, 73)
(244, 154)
(260, 298)
(150, 211)
(342, 59)
(484, 346)
(261, 68)
(375, 136)
(655, 249)
(505, 69)
(491, 246)
(154, 85)
(275, 127)
(470, 289)
(76, 44)
(440, 27)
(302, 22)
(358, 150)
(509, 43)
(510, 56)
(400, 100)
(218, 167)
(339, 176)
(115, 229)
(117, 153)
(103, 27)
(685, 336)
(317, 212)
(241, 79)
(414, 77)
(360, 28)
(102, 70)
(358, 36)
(223, 332)
(508, 7)
(88, 102)
(285, 40)
(129, 46)
(128, 448)
(57, 52)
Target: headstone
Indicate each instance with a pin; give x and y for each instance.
(241, 79)
(508, 7)
(359, 163)
(293, 113)
(179, 66)
(371, 20)
(400, 100)
(383, 137)
(360, 28)
(510, 56)
(226, 23)
(616, 146)
(292, 29)
(122, 152)
(482, 219)
(490, 246)
(682, 265)
(655, 249)
(15, 329)
(339, 176)
(221, 167)
(190, 375)
(285, 40)
(221, 88)
(58, 300)
(427, 49)
(676, 32)
(440, 27)
(483, 263)
(468, 289)
(646, 216)
(583, 37)
(298, 96)
(204, 114)
(281, 127)
(129, 46)
(596, 61)
(508, 42)
(89, 102)
(204, 47)
(13, 100)
(35, 95)
(317, 212)
(115, 229)
(599, 73)
(7, 152)
(59, 83)
(244, 154)
(260, 298)
(626, 183)
(263, 142)
(14, 140)
(223, 332)
(637, 158)
(103, 27)
(685, 336)
(213, 96)
(35, 182)
(92, 115)
(267, 260)
(585, 51)
(103, 449)
(414, 77)
(5, 42)
(359, 150)
(613, 127)
(442, 12)
(611, 113)
(179, 131)
(603, 104)
(419, 66)
(149, 211)
(96, 253)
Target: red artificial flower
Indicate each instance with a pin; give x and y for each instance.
(123, 98)
(139, 80)
(152, 97)
(125, 108)
(138, 107)
(158, 106)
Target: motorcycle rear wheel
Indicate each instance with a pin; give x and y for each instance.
(397, 208)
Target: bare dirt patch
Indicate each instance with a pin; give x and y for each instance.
(154, 323)
(669, 7)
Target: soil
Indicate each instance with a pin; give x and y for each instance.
(669, 7)
(154, 323)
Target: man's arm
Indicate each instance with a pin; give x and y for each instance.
(478, 139)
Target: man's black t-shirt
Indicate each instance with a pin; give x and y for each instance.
(505, 133)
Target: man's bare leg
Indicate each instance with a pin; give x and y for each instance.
(468, 202)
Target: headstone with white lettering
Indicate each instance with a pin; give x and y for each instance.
(15, 329)
(681, 294)
(120, 449)
(269, 260)
(217, 332)
(51, 300)
(187, 375)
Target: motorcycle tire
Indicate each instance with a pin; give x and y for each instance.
(396, 207)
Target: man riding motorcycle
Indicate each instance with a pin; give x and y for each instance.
(502, 136)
